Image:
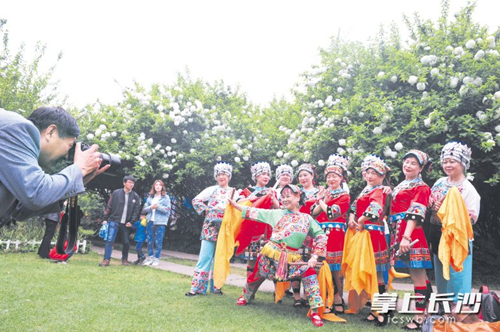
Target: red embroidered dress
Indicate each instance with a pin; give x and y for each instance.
(370, 203)
(409, 202)
(251, 231)
(333, 223)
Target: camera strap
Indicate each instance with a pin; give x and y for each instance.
(71, 220)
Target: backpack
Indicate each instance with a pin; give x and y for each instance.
(490, 305)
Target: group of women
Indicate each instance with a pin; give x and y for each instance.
(308, 218)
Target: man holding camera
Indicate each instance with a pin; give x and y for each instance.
(27, 145)
(122, 211)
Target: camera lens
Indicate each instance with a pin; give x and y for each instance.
(111, 159)
(107, 159)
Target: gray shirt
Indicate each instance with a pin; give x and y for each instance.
(25, 189)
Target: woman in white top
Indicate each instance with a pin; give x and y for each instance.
(455, 160)
(158, 209)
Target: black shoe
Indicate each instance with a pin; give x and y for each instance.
(385, 320)
(140, 260)
(337, 306)
(371, 318)
(218, 292)
(297, 303)
(417, 328)
(189, 294)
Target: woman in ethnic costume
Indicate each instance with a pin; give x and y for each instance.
(212, 201)
(284, 176)
(455, 160)
(368, 213)
(306, 174)
(289, 230)
(331, 212)
(251, 235)
(409, 205)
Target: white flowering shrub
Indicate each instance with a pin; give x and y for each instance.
(441, 85)
(23, 88)
(177, 133)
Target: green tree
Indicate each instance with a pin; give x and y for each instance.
(23, 87)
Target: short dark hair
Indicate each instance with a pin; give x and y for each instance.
(127, 178)
(66, 124)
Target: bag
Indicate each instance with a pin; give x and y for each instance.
(103, 232)
(490, 305)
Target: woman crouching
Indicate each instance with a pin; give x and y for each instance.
(279, 257)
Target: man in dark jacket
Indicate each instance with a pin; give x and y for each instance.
(122, 211)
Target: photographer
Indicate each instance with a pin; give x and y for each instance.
(27, 145)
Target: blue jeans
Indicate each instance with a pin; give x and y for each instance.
(154, 236)
(138, 248)
(113, 229)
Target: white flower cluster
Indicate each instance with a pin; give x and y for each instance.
(434, 72)
(491, 41)
(389, 153)
(413, 79)
(470, 44)
(430, 60)
(481, 115)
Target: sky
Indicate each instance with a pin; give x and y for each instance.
(262, 46)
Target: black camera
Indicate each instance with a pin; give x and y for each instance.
(107, 159)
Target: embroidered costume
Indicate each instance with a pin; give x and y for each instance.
(460, 282)
(212, 201)
(282, 170)
(252, 233)
(289, 231)
(333, 222)
(370, 203)
(409, 202)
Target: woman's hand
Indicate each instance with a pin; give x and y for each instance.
(235, 205)
(321, 193)
(404, 246)
(328, 196)
(352, 223)
(312, 262)
(387, 190)
(361, 223)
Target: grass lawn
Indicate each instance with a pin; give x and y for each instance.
(188, 262)
(36, 295)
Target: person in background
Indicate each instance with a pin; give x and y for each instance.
(158, 212)
(123, 208)
(140, 238)
(51, 221)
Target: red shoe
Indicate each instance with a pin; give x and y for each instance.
(241, 301)
(316, 320)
